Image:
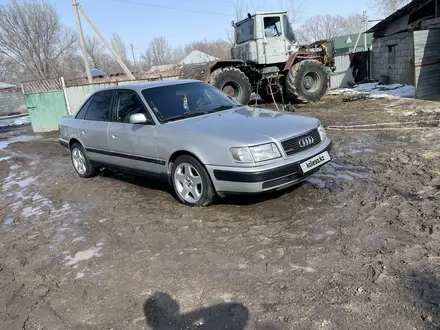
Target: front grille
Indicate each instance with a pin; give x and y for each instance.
(292, 146)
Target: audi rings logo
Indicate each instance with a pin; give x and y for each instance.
(308, 140)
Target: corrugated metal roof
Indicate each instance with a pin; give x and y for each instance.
(382, 25)
(4, 85)
(96, 73)
(349, 40)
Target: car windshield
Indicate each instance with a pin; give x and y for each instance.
(173, 102)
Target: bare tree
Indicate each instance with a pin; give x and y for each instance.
(218, 48)
(387, 7)
(177, 54)
(240, 12)
(294, 9)
(159, 51)
(8, 69)
(145, 61)
(119, 47)
(32, 36)
(352, 24)
(324, 27)
(95, 51)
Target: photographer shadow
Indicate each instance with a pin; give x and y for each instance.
(162, 312)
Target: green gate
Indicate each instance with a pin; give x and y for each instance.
(45, 103)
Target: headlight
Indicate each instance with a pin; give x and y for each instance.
(241, 155)
(322, 132)
(255, 154)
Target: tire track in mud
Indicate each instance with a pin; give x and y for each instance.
(46, 227)
(326, 254)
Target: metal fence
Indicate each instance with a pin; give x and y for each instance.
(76, 95)
(344, 69)
(343, 73)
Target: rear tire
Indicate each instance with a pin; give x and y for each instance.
(306, 81)
(191, 182)
(81, 162)
(232, 82)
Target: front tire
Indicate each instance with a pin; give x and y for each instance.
(81, 162)
(306, 81)
(191, 182)
(233, 82)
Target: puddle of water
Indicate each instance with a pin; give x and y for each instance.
(338, 166)
(12, 139)
(22, 182)
(82, 255)
(29, 211)
(358, 148)
(8, 221)
(78, 239)
(344, 176)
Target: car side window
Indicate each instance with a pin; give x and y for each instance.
(82, 112)
(99, 108)
(128, 103)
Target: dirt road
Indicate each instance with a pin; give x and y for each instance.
(355, 247)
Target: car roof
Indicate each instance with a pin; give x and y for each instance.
(150, 84)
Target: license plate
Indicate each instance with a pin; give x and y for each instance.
(314, 162)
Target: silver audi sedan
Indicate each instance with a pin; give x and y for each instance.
(198, 139)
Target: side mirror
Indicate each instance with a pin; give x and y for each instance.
(138, 118)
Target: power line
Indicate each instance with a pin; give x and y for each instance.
(172, 8)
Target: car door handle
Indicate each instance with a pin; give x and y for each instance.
(114, 136)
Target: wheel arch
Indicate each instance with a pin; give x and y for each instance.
(225, 63)
(74, 140)
(177, 154)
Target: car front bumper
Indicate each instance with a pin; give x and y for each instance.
(282, 174)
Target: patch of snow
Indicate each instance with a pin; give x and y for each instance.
(13, 139)
(306, 269)
(82, 255)
(378, 91)
(79, 275)
(436, 110)
(25, 120)
(4, 158)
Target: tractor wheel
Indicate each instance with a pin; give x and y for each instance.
(306, 81)
(232, 82)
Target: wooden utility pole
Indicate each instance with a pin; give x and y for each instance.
(81, 41)
(106, 43)
(132, 53)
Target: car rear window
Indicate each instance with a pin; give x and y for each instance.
(99, 108)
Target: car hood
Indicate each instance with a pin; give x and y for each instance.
(248, 125)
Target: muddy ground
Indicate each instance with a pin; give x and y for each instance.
(355, 247)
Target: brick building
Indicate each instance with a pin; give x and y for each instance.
(11, 100)
(406, 47)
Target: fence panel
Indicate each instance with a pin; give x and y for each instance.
(76, 95)
(343, 73)
(45, 103)
(45, 110)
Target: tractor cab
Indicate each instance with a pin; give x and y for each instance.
(264, 38)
